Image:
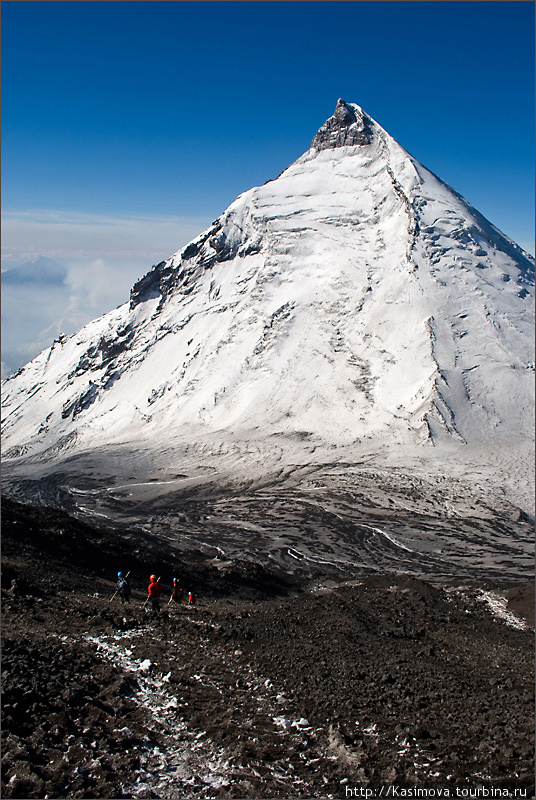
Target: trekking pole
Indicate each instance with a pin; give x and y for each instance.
(158, 581)
(114, 594)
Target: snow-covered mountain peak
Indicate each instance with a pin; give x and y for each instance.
(39, 270)
(354, 302)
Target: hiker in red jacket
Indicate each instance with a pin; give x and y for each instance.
(154, 592)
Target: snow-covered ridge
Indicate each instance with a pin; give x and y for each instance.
(355, 298)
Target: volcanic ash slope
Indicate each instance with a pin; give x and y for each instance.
(356, 309)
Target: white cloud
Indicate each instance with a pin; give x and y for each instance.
(104, 257)
(68, 236)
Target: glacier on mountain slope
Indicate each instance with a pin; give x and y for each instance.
(355, 307)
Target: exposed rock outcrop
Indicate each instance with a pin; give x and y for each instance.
(346, 127)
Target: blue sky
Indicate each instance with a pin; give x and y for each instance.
(174, 108)
(127, 127)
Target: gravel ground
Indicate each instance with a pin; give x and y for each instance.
(269, 687)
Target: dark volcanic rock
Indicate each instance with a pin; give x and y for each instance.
(198, 256)
(265, 689)
(344, 128)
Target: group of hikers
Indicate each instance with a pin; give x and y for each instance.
(154, 592)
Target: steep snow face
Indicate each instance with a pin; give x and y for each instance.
(355, 298)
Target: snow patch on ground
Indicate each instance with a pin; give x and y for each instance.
(187, 761)
(498, 605)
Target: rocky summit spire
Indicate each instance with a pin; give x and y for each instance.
(348, 126)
